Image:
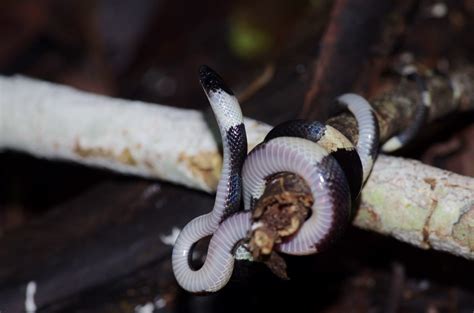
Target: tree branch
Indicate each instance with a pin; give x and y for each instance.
(419, 204)
(58, 122)
(177, 145)
(394, 110)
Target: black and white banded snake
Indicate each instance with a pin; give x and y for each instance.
(331, 166)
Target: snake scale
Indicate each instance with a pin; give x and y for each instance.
(332, 167)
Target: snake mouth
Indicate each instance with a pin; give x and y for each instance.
(211, 81)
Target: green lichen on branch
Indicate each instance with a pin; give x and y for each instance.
(419, 204)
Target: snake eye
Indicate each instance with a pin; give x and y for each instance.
(211, 81)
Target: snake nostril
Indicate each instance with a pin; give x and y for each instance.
(198, 253)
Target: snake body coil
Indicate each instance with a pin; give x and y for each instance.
(331, 166)
(228, 195)
(333, 169)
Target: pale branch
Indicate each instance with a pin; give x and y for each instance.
(58, 122)
(394, 111)
(419, 204)
(53, 121)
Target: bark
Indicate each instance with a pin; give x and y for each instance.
(419, 204)
(432, 209)
(394, 111)
(162, 142)
(132, 137)
(396, 107)
(179, 146)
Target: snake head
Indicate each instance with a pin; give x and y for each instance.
(211, 81)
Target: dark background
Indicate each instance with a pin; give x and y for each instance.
(90, 238)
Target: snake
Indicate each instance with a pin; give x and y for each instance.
(334, 169)
(229, 118)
